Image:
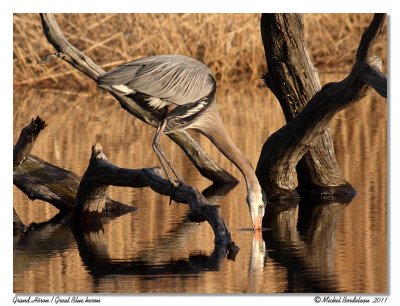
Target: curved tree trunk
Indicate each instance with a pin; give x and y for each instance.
(304, 144)
(294, 81)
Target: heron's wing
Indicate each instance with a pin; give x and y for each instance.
(172, 78)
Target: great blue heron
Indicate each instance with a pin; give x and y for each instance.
(184, 89)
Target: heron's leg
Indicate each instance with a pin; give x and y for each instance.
(161, 155)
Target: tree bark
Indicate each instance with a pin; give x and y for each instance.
(294, 81)
(26, 140)
(90, 200)
(304, 142)
(69, 53)
(43, 181)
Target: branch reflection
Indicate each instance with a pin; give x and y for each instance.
(304, 242)
(93, 250)
(301, 238)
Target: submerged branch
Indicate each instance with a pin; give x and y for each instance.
(18, 226)
(101, 173)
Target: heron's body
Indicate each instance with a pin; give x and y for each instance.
(185, 89)
(183, 85)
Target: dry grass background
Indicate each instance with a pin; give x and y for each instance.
(230, 44)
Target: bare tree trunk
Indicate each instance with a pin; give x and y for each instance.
(69, 53)
(294, 81)
(304, 142)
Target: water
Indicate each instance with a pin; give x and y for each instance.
(309, 247)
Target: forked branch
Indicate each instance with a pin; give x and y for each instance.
(294, 81)
(283, 150)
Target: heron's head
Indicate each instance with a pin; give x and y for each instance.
(256, 202)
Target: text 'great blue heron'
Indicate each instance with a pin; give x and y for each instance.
(184, 89)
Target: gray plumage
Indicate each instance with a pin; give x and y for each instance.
(185, 89)
(172, 78)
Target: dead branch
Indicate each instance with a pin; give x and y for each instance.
(26, 140)
(90, 200)
(66, 51)
(284, 149)
(43, 181)
(92, 194)
(40, 180)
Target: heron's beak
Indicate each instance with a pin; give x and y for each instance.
(257, 209)
(257, 220)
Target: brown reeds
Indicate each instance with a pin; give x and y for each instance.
(230, 44)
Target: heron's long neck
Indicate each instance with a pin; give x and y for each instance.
(223, 141)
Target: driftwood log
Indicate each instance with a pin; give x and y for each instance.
(90, 200)
(69, 53)
(85, 200)
(43, 181)
(304, 142)
(40, 180)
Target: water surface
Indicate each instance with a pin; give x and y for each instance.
(310, 247)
